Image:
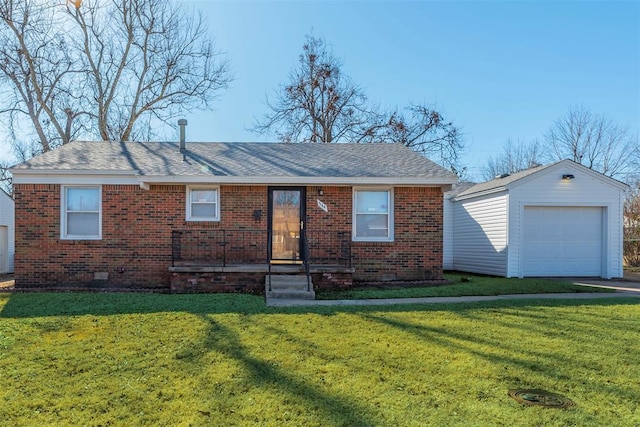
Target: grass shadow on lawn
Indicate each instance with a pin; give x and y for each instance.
(25, 305)
(462, 285)
(264, 374)
(503, 352)
(385, 365)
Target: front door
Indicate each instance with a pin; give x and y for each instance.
(286, 223)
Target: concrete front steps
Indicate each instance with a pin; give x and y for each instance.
(288, 286)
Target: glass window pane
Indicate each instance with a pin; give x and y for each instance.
(203, 210)
(82, 224)
(203, 196)
(372, 201)
(83, 199)
(372, 225)
(286, 198)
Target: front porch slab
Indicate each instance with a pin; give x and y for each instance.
(250, 278)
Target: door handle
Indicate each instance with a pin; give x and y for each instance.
(301, 225)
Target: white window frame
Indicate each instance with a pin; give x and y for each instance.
(390, 215)
(63, 213)
(191, 188)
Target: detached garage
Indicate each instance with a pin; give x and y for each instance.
(561, 219)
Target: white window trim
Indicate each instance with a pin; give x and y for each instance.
(390, 218)
(190, 188)
(63, 213)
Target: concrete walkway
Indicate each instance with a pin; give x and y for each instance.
(623, 290)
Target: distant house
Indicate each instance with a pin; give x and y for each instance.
(562, 219)
(220, 216)
(7, 232)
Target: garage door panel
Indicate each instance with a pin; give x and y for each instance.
(562, 241)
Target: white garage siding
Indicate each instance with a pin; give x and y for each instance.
(4, 249)
(550, 226)
(7, 234)
(562, 241)
(447, 234)
(480, 235)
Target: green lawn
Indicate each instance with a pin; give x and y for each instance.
(151, 359)
(463, 284)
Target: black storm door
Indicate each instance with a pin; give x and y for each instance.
(286, 223)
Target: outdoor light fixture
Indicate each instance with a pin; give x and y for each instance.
(567, 177)
(320, 192)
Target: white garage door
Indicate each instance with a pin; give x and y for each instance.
(562, 241)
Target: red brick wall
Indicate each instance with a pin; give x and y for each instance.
(135, 249)
(415, 253)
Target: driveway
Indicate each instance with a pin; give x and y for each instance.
(629, 283)
(625, 285)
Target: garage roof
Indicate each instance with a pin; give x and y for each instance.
(503, 182)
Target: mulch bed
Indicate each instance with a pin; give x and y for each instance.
(6, 281)
(397, 284)
(632, 274)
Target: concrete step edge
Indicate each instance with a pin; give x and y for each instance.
(291, 295)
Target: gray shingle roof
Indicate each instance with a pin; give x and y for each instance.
(500, 182)
(458, 188)
(240, 160)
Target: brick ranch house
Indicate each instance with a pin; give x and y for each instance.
(196, 217)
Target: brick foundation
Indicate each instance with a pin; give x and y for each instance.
(217, 282)
(332, 280)
(247, 282)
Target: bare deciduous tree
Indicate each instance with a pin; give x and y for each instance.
(5, 177)
(592, 140)
(422, 129)
(632, 226)
(35, 71)
(515, 157)
(320, 104)
(102, 69)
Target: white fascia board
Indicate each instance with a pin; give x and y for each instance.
(500, 189)
(288, 180)
(32, 176)
(74, 177)
(20, 171)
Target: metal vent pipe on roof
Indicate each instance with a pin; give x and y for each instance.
(182, 123)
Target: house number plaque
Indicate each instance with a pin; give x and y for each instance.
(322, 206)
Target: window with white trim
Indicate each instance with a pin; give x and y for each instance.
(373, 215)
(203, 204)
(81, 216)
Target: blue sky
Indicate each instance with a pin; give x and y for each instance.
(498, 70)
